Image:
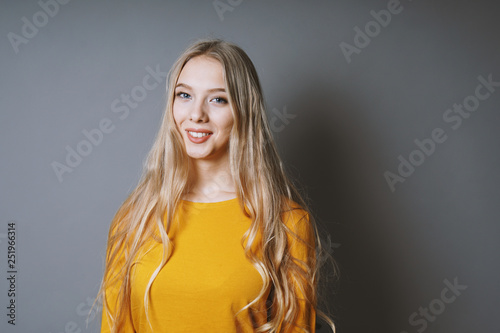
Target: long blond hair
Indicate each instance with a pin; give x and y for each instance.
(263, 189)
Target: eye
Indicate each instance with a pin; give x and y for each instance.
(220, 100)
(183, 95)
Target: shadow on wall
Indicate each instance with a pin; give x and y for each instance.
(338, 156)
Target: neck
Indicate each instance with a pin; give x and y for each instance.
(210, 180)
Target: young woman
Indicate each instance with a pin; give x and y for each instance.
(215, 238)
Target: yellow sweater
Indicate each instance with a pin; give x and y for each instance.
(208, 278)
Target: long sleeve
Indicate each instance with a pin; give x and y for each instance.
(111, 297)
(208, 277)
(303, 254)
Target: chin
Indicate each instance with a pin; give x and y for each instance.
(197, 155)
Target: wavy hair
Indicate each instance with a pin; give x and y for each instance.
(263, 189)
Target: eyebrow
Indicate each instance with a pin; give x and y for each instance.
(209, 90)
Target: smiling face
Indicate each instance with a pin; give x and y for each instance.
(201, 108)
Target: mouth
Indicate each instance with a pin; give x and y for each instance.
(198, 136)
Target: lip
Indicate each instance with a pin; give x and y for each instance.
(201, 130)
(198, 140)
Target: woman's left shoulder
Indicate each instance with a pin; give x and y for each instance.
(296, 217)
(294, 208)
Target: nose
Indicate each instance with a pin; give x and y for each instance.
(198, 112)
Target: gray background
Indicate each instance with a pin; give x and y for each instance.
(352, 120)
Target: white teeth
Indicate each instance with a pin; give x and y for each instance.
(198, 134)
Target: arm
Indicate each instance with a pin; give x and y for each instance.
(304, 255)
(111, 295)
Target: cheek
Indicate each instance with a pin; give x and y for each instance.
(176, 115)
(228, 121)
(178, 123)
(226, 127)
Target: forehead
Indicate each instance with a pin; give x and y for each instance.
(202, 72)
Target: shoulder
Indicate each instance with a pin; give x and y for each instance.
(293, 213)
(297, 220)
(300, 235)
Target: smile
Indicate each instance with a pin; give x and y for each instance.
(198, 134)
(198, 137)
